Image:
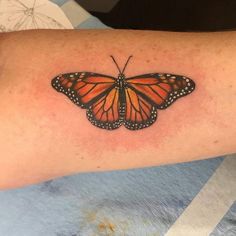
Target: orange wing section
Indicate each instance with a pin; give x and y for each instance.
(105, 112)
(83, 88)
(139, 113)
(161, 89)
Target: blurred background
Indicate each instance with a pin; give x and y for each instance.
(174, 15)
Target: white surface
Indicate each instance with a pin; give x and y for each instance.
(213, 201)
(77, 13)
(31, 14)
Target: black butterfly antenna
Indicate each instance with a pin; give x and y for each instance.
(121, 72)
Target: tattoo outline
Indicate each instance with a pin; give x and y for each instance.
(115, 101)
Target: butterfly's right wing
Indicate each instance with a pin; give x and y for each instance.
(149, 92)
(161, 89)
(139, 113)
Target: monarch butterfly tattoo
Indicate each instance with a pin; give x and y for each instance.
(115, 101)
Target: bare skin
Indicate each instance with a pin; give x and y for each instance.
(43, 135)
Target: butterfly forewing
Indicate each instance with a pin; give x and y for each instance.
(161, 90)
(83, 88)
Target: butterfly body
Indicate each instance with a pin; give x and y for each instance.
(121, 82)
(115, 101)
(120, 86)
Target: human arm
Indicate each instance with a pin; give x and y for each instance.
(44, 135)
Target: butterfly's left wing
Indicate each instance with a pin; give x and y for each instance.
(95, 92)
(147, 93)
(83, 88)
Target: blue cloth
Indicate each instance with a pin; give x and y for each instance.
(138, 202)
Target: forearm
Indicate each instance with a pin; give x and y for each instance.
(44, 135)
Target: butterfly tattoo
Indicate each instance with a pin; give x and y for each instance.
(114, 101)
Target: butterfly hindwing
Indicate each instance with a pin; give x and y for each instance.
(105, 112)
(139, 113)
(83, 88)
(161, 90)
